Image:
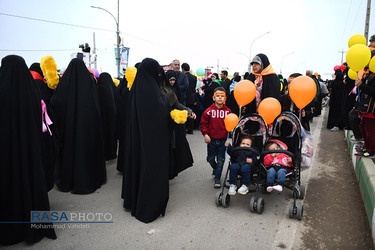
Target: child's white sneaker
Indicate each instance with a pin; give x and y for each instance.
(232, 189)
(278, 188)
(243, 189)
(269, 189)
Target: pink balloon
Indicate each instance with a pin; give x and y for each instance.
(96, 72)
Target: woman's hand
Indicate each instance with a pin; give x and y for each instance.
(358, 82)
(192, 116)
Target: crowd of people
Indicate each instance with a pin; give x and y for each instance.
(63, 136)
(352, 106)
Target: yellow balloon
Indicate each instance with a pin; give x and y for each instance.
(352, 74)
(372, 65)
(357, 39)
(358, 56)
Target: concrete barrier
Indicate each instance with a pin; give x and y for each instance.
(365, 171)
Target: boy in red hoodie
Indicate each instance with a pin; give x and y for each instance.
(215, 134)
(277, 163)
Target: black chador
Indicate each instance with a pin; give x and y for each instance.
(22, 180)
(80, 163)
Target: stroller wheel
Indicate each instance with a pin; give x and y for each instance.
(260, 206)
(291, 210)
(302, 190)
(299, 211)
(225, 200)
(253, 204)
(218, 200)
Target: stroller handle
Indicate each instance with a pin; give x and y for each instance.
(245, 149)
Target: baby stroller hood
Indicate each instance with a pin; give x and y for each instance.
(281, 144)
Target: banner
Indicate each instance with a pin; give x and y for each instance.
(124, 58)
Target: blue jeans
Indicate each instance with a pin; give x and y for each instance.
(246, 173)
(271, 174)
(216, 155)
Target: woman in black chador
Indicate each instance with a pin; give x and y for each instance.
(80, 164)
(180, 157)
(145, 187)
(336, 103)
(49, 139)
(22, 180)
(108, 112)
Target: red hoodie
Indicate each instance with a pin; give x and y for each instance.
(212, 122)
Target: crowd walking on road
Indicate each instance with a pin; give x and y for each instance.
(58, 130)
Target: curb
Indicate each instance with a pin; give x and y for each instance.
(365, 172)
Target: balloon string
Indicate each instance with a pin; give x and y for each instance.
(300, 111)
(240, 113)
(359, 95)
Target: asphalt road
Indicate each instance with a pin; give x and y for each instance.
(193, 221)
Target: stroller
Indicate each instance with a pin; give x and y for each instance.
(252, 125)
(287, 128)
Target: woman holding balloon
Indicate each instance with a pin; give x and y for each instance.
(366, 108)
(265, 79)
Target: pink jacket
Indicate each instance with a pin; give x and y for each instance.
(280, 158)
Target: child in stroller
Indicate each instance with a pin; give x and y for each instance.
(286, 130)
(277, 164)
(243, 158)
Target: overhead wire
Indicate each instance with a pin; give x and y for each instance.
(79, 26)
(61, 23)
(356, 16)
(346, 22)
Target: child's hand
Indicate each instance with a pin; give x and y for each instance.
(249, 160)
(227, 143)
(289, 160)
(207, 139)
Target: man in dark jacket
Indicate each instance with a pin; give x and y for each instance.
(225, 81)
(190, 95)
(182, 81)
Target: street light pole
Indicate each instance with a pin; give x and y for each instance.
(281, 64)
(252, 46)
(117, 34)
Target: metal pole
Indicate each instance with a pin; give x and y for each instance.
(95, 62)
(252, 46)
(117, 34)
(118, 38)
(342, 55)
(367, 24)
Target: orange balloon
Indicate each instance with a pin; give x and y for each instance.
(269, 108)
(244, 92)
(302, 91)
(231, 121)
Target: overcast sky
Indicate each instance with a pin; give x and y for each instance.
(304, 34)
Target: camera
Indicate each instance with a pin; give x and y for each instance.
(81, 46)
